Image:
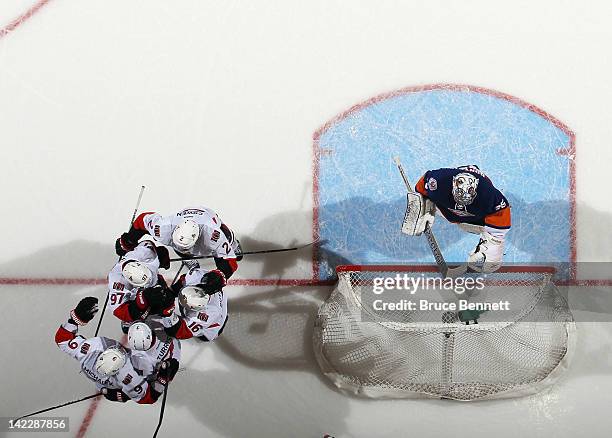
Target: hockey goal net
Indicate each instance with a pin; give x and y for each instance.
(518, 345)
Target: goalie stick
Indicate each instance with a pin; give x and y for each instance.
(445, 270)
(108, 293)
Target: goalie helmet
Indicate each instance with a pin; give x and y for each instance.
(464, 188)
(140, 336)
(137, 273)
(110, 361)
(185, 235)
(193, 298)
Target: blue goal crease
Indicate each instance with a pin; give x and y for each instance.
(362, 197)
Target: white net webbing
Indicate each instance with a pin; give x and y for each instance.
(431, 353)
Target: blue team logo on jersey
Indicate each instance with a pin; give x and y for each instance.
(360, 196)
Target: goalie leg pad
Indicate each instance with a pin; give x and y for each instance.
(420, 211)
(488, 254)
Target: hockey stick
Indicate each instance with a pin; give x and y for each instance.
(177, 274)
(108, 292)
(445, 270)
(59, 406)
(161, 411)
(265, 251)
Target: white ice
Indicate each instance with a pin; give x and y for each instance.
(216, 103)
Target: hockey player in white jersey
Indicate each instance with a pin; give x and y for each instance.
(201, 307)
(106, 362)
(149, 353)
(136, 289)
(192, 232)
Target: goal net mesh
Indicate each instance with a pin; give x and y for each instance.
(431, 352)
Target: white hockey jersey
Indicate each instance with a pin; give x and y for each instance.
(207, 322)
(211, 242)
(86, 352)
(120, 290)
(147, 362)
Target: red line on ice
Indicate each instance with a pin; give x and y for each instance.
(91, 411)
(22, 18)
(62, 281)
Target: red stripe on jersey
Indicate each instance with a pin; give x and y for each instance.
(233, 264)
(213, 325)
(63, 335)
(123, 312)
(148, 398)
(139, 222)
(183, 332)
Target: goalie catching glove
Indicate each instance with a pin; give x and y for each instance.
(488, 254)
(419, 213)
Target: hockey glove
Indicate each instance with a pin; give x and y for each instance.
(128, 241)
(164, 257)
(115, 395)
(167, 371)
(213, 281)
(84, 311)
(125, 243)
(150, 297)
(158, 298)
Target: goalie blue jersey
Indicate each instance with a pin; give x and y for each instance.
(490, 207)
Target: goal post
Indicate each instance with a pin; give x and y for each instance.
(398, 350)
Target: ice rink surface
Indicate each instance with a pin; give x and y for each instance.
(219, 104)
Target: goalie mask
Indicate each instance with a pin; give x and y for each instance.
(140, 336)
(185, 235)
(110, 361)
(193, 298)
(137, 273)
(464, 188)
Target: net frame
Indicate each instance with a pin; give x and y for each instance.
(537, 278)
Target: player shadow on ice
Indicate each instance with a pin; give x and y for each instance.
(75, 259)
(360, 230)
(270, 333)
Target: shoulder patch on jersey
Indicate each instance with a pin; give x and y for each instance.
(118, 285)
(501, 205)
(128, 378)
(202, 316)
(432, 184)
(156, 230)
(215, 236)
(85, 348)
